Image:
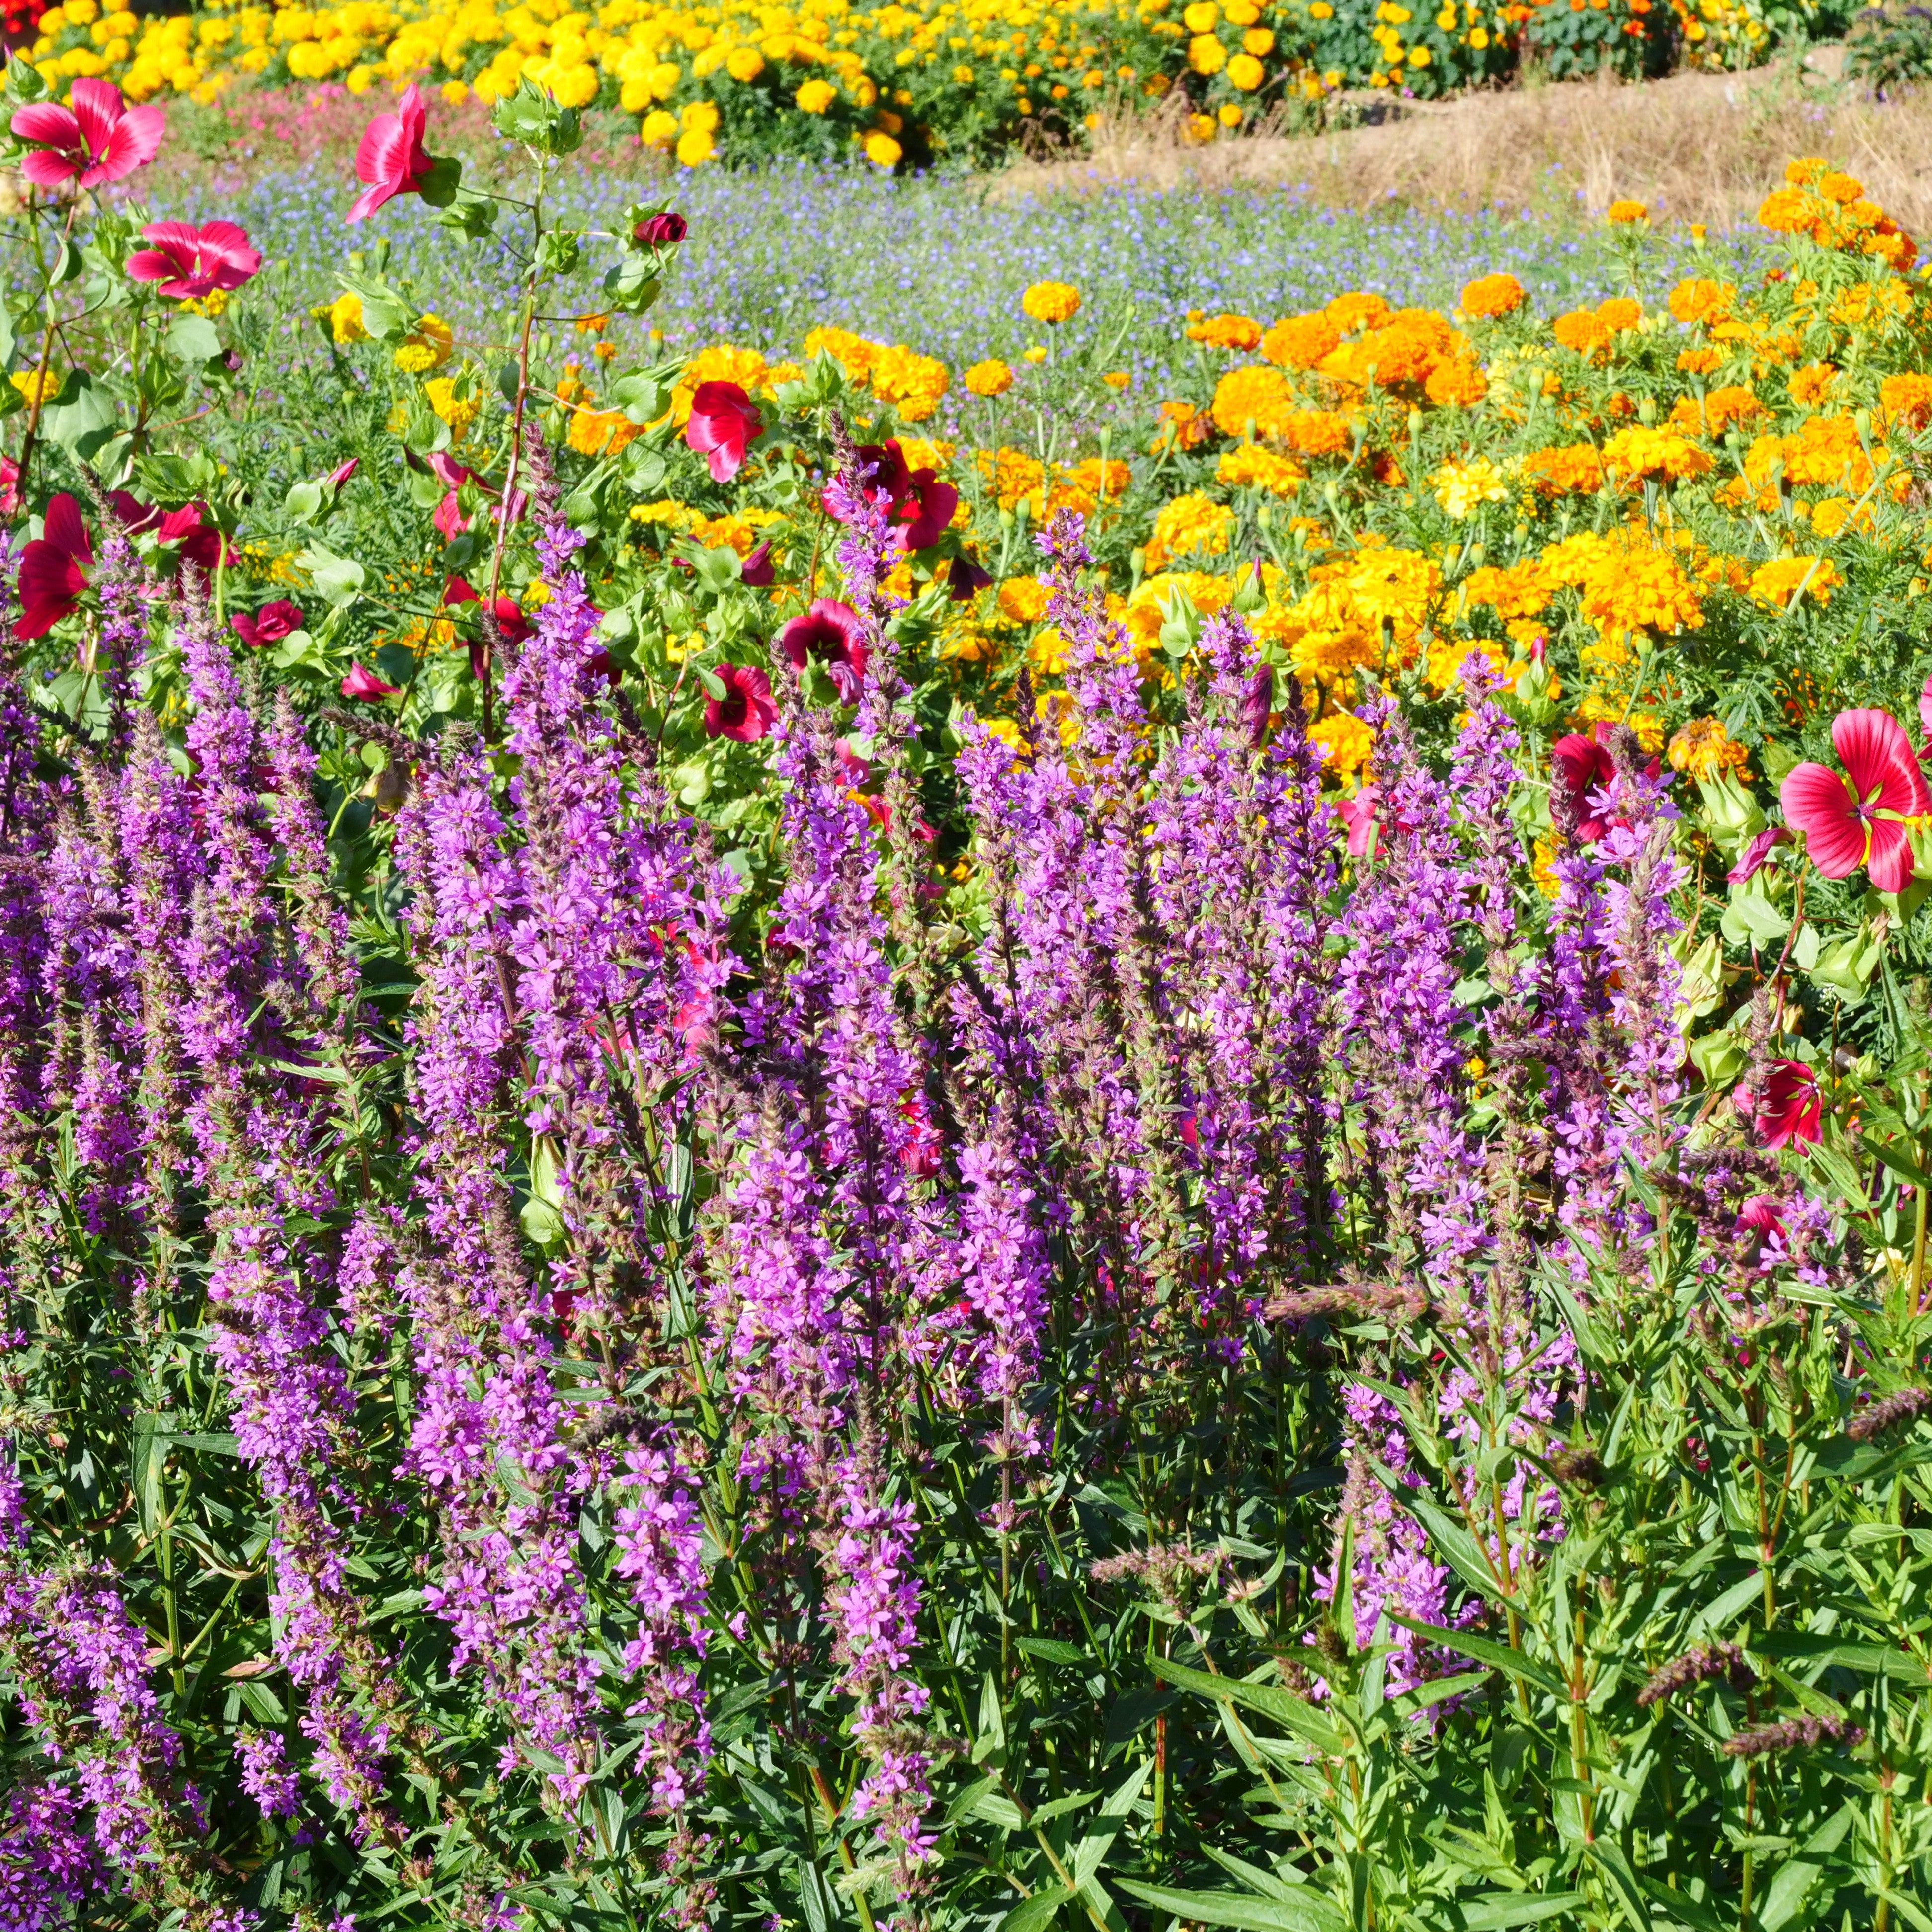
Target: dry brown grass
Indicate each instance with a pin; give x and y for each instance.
(1699, 147)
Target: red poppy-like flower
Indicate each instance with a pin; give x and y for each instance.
(964, 580)
(1856, 819)
(449, 522)
(390, 160)
(920, 504)
(1759, 1215)
(660, 231)
(362, 683)
(268, 625)
(1750, 861)
(136, 518)
(1358, 814)
(1925, 717)
(724, 423)
(450, 473)
(757, 571)
(1581, 765)
(188, 261)
(196, 540)
(1789, 1106)
(829, 634)
(99, 139)
(745, 712)
(507, 611)
(53, 569)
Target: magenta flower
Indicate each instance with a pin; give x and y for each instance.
(1789, 1107)
(1581, 765)
(660, 231)
(1358, 814)
(268, 625)
(724, 423)
(53, 570)
(1751, 860)
(758, 572)
(745, 712)
(98, 140)
(362, 683)
(195, 539)
(191, 261)
(392, 159)
(831, 634)
(964, 580)
(1858, 818)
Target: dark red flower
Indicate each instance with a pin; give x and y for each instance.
(136, 516)
(53, 570)
(268, 625)
(920, 503)
(191, 261)
(660, 231)
(392, 159)
(1582, 766)
(758, 572)
(362, 683)
(98, 140)
(964, 580)
(1856, 819)
(829, 634)
(1789, 1107)
(196, 540)
(724, 422)
(745, 712)
(1258, 705)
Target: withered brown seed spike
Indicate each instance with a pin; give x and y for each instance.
(1703, 1660)
(1794, 1734)
(1906, 1406)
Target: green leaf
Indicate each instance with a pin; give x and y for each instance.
(1060, 1807)
(82, 419)
(1496, 1909)
(193, 339)
(1875, 1660)
(1283, 1705)
(340, 579)
(1623, 1881)
(1312, 1912)
(1033, 1914)
(303, 502)
(1499, 1655)
(1051, 1649)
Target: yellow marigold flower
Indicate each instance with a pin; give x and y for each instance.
(1705, 750)
(1022, 600)
(1632, 586)
(1638, 452)
(990, 378)
(1462, 488)
(1345, 742)
(1777, 582)
(1190, 523)
(1206, 55)
(1246, 72)
(1625, 212)
(594, 432)
(882, 151)
(1250, 466)
(1012, 473)
(345, 319)
(1492, 295)
(1117, 378)
(659, 129)
(1225, 331)
(455, 93)
(1037, 353)
(1051, 301)
(695, 147)
(459, 411)
(814, 97)
(744, 65)
(38, 385)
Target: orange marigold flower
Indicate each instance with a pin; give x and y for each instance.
(1843, 189)
(1907, 398)
(1638, 452)
(1625, 211)
(1492, 295)
(1810, 385)
(1451, 383)
(1583, 330)
(1777, 583)
(1253, 400)
(1786, 211)
(1698, 299)
(1705, 750)
(1319, 433)
(1225, 331)
(1620, 312)
(1300, 341)
(1699, 362)
(1351, 312)
(1729, 403)
(1571, 469)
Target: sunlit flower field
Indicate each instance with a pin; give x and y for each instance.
(872, 1059)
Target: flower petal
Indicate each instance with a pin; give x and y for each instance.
(1874, 749)
(66, 529)
(1889, 867)
(98, 111)
(1815, 801)
(48, 167)
(50, 124)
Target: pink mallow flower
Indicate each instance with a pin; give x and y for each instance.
(362, 683)
(1857, 818)
(98, 139)
(392, 159)
(189, 261)
(723, 424)
(1790, 1105)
